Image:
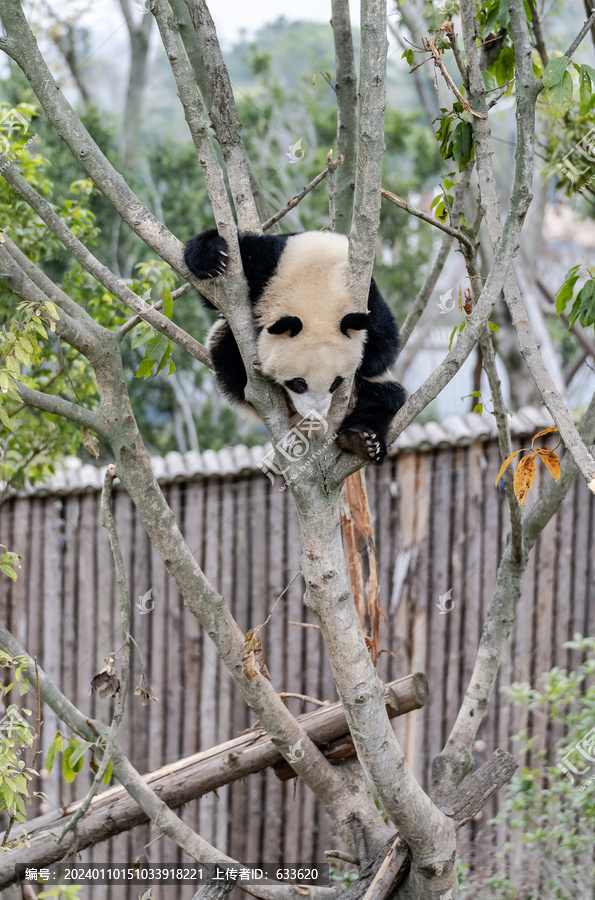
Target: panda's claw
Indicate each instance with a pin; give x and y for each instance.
(206, 255)
(365, 443)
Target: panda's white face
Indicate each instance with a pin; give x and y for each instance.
(310, 339)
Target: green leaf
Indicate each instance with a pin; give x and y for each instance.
(5, 419)
(108, 773)
(79, 752)
(478, 408)
(586, 298)
(565, 293)
(452, 337)
(145, 368)
(555, 71)
(493, 327)
(168, 304)
(559, 96)
(52, 753)
(585, 92)
(52, 310)
(463, 144)
(8, 570)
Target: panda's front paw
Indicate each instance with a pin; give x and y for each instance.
(363, 442)
(206, 254)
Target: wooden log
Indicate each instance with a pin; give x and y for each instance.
(114, 811)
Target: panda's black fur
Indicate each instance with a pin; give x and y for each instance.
(304, 314)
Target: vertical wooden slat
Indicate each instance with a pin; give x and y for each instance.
(274, 645)
(240, 563)
(259, 609)
(50, 657)
(70, 612)
(208, 696)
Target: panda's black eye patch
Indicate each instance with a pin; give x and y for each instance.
(297, 385)
(338, 380)
(291, 324)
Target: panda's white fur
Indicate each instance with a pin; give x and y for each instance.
(311, 283)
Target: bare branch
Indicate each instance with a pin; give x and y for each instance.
(549, 393)
(332, 165)
(136, 320)
(223, 113)
(193, 111)
(425, 292)
(504, 440)
(60, 407)
(346, 91)
(107, 520)
(426, 217)
(370, 148)
(536, 28)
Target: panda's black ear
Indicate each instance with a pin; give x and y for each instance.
(354, 322)
(286, 323)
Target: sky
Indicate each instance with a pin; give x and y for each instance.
(231, 16)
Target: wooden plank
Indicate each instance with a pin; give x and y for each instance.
(141, 623)
(193, 532)
(70, 614)
(275, 648)
(439, 586)
(295, 611)
(258, 612)
(384, 521)
(50, 652)
(399, 602)
(209, 677)
(240, 562)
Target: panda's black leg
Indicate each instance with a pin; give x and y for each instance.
(365, 430)
(206, 254)
(228, 364)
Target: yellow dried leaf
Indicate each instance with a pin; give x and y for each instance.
(461, 299)
(551, 462)
(541, 433)
(506, 464)
(523, 477)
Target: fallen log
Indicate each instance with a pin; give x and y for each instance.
(114, 811)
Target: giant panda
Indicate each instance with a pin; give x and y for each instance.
(309, 337)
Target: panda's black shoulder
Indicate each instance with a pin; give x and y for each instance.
(261, 254)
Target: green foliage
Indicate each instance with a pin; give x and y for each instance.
(16, 736)
(62, 892)
(583, 307)
(73, 757)
(455, 135)
(9, 561)
(551, 808)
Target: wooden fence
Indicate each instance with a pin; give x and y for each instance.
(440, 526)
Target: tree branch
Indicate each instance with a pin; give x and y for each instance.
(332, 165)
(426, 217)
(504, 441)
(192, 105)
(451, 765)
(163, 817)
(72, 330)
(370, 149)
(346, 92)
(101, 273)
(20, 44)
(59, 407)
(425, 292)
(223, 113)
(107, 520)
